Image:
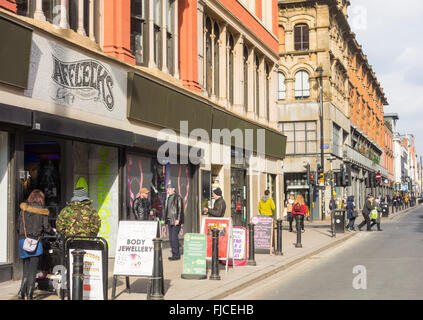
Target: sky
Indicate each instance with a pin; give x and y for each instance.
(391, 34)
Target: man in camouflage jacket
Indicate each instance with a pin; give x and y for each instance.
(78, 218)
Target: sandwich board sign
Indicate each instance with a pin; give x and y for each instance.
(135, 249)
(224, 225)
(238, 251)
(263, 233)
(194, 264)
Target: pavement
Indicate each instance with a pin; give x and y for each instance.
(316, 239)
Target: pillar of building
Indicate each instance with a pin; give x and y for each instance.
(117, 30)
(188, 48)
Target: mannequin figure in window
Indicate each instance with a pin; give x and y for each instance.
(142, 206)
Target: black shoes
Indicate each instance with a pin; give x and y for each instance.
(174, 258)
(31, 292)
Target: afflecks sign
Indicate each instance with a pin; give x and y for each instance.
(93, 275)
(58, 73)
(135, 249)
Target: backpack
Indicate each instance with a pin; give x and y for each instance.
(297, 207)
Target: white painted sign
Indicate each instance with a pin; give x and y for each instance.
(59, 73)
(135, 249)
(93, 274)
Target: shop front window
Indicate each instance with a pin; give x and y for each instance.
(57, 167)
(147, 172)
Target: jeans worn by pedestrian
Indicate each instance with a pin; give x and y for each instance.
(174, 240)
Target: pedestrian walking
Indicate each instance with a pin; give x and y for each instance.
(352, 213)
(33, 222)
(266, 205)
(376, 219)
(289, 205)
(299, 208)
(78, 218)
(219, 206)
(142, 207)
(368, 207)
(174, 217)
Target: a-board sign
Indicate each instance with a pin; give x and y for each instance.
(238, 251)
(93, 275)
(263, 227)
(224, 225)
(134, 248)
(194, 264)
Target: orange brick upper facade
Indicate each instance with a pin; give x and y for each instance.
(366, 97)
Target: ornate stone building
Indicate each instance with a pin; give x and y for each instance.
(313, 34)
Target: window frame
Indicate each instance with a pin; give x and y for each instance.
(305, 85)
(301, 37)
(295, 131)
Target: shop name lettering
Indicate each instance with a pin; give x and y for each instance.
(136, 245)
(88, 76)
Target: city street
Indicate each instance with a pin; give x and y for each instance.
(392, 259)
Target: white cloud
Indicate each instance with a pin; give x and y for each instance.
(392, 41)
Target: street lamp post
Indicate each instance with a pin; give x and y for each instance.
(322, 160)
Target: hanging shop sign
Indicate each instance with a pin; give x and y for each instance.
(135, 249)
(195, 247)
(58, 73)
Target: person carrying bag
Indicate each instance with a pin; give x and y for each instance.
(33, 223)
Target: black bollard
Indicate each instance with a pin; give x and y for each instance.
(279, 237)
(251, 260)
(298, 225)
(215, 255)
(157, 283)
(78, 274)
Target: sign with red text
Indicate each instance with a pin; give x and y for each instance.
(224, 225)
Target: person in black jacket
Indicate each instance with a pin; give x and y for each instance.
(33, 222)
(368, 207)
(219, 206)
(142, 206)
(174, 217)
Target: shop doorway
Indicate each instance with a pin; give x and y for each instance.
(239, 212)
(43, 171)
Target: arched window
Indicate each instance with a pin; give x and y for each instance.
(216, 32)
(230, 69)
(245, 57)
(267, 70)
(281, 86)
(301, 37)
(302, 85)
(209, 66)
(257, 84)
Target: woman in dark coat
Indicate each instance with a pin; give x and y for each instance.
(33, 222)
(351, 213)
